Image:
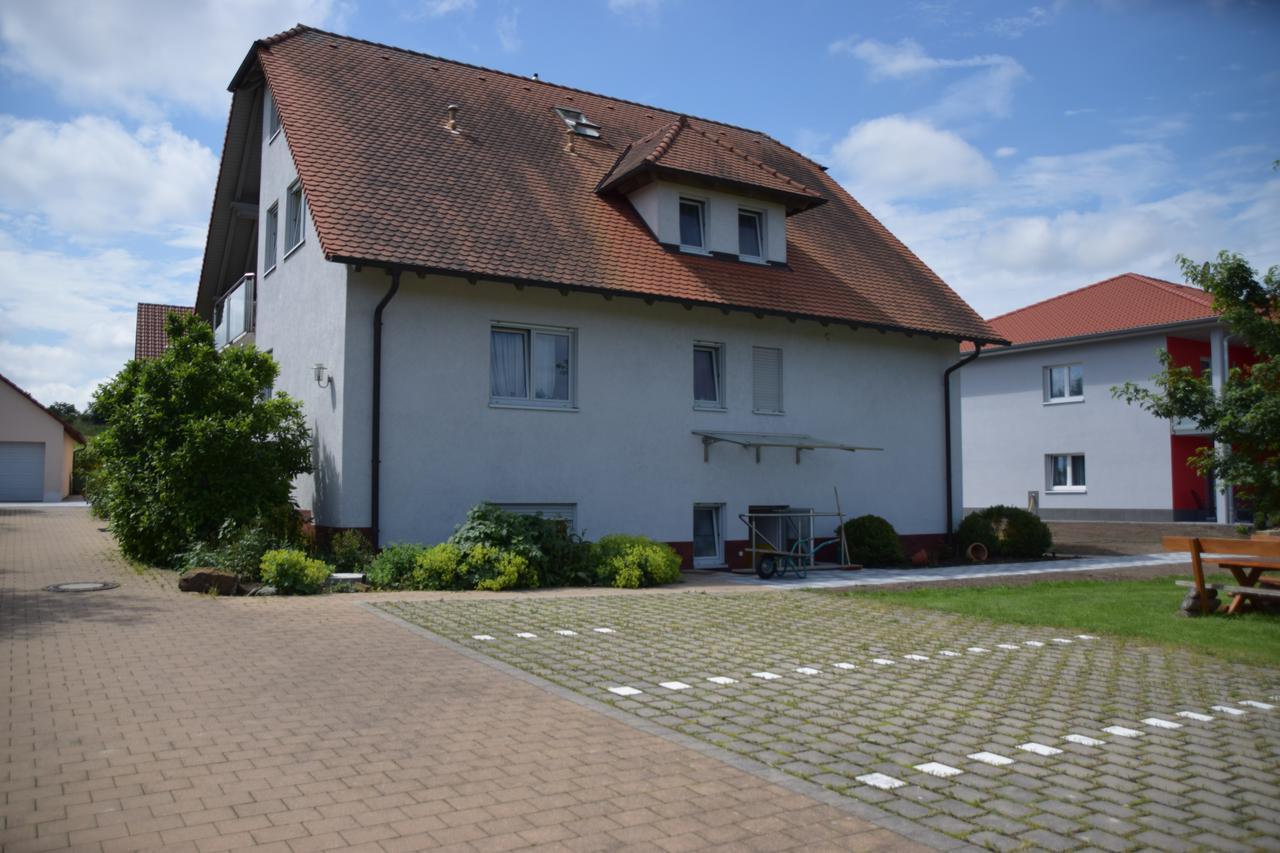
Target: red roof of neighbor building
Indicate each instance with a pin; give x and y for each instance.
(683, 149)
(389, 183)
(66, 427)
(1127, 301)
(150, 338)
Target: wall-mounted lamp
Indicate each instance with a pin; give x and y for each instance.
(323, 379)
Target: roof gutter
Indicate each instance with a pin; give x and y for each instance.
(376, 425)
(946, 426)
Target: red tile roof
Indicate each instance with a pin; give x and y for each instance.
(150, 338)
(66, 427)
(683, 149)
(1128, 301)
(389, 183)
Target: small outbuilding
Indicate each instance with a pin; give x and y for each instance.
(36, 448)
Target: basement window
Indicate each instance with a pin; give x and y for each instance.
(578, 120)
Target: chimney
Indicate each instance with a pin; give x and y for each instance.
(453, 118)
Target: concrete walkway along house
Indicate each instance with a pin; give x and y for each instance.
(485, 287)
(1039, 416)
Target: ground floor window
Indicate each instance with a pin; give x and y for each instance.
(708, 534)
(1066, 472)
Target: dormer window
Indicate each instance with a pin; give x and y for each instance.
(578, 120)
(693, 215)
(750, 235)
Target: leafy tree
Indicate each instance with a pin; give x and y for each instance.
(1245, 418)
(191, 443)
(66, 411)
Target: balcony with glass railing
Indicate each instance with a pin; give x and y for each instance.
(1186, 426)
(235, 313)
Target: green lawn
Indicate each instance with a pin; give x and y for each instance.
(1143, 609)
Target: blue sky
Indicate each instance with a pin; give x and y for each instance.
(1020, 148)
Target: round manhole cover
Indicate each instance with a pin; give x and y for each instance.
(82, 586)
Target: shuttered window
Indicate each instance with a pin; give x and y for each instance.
(766, 368)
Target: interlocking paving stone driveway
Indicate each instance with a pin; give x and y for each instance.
(1002, 689)
(142, 718)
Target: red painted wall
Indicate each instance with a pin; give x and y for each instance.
(1187, 484)
(1186, 352)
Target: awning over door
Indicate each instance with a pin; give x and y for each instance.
(757, 440)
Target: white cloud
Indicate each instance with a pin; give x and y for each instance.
(988, 92)
(440, 8)
(67, 320)
(91, 177)
(1155, 126)
(1016, 26)
(898, 157)
(907, 58)
(1006, 151)
(135, 55)
(1117, 174)
(509, 31)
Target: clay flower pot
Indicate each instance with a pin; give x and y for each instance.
(977, 553)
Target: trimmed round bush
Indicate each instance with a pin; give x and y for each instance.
(394, 566)
(1008, 532)
(630, 562)
(872, 541)
(293, 572)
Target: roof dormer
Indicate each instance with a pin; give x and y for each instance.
(698, 192)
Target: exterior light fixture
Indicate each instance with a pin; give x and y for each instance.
(323, 379)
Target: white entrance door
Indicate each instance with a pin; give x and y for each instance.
(21, 471)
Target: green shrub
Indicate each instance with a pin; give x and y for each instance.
(872, 541)
(556, 555)
(489, 568)
(394, 566)
(437, 567)
(630, 562)
(293, 572)
(1008, 532)
(349, 551)
(235, 549)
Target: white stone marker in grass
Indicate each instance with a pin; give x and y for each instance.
(916, 657)
(767, 676)
(722, 679)
(807, 670)
(1010, 646)
(1156, 722)
(604, 630)
(482, 637)
(1227, 709)
(1121, 731)
(991, 758)
(1084, 740)
(565, 632)
(674, 685)
(942, 771)
(1261, 706)
(625, 691)
(525, 635)
(1040, 748)
(977, 650)
(882, 662)
(947, 653)
(1035, 644)
(1192, 715)
(881, 781)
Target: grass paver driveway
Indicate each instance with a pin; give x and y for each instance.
(1061, 741)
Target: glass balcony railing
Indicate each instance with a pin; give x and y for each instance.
(1186, 426)
(233, 316)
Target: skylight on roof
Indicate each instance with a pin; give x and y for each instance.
(578, 120)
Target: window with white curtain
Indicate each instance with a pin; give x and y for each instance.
(531, 366)
(1066, 472)
(766, 369)
(708, 370)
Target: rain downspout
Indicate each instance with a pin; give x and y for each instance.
(376, 440)
(946, 422)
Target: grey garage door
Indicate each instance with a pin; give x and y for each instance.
(21, 471)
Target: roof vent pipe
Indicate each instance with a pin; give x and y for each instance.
(535, 77)
(453, 118)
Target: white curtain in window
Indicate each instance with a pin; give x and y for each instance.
(550, 366)
(507, 365)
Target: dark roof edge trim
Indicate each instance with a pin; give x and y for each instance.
(1131, 332)
(909, 331)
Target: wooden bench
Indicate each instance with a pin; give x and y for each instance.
(1248, 560)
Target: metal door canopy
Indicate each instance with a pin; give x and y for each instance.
(757, 440)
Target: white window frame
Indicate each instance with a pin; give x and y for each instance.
(718, 560)
(274, 125)
(295, 202)
(1067, 397)
(760, 218)
(703, 206)
(781, 410)
(271, 238)
(530, 402)
(1070, 487)
(717, 350)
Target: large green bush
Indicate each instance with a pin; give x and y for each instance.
(394, 566)
(1007, 532)
(192, 443)
(236, 549)
(872, 541)
(634, 561)
(446, 566)
(556, 555)
(293, 572)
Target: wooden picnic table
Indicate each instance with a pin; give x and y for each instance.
(1248, 560)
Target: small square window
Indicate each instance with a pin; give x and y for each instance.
(271, 228)
(692, 223)
(708, 369)
(751, 234)
(1063, 382)
(531, 366)
(1066, 472)
(295, 217)
(708, 535)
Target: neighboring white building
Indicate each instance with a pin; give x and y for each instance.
(1041, 424)
(584, 304)
(36, 448)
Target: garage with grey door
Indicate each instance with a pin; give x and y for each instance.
(21, 471)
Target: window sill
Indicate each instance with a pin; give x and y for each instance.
(1064, 401)
(771, 414)
(695, 250)
(295, 247)
(269, 271)
(754, 259)
(1066, 490)
(500, 404)
(272, 137)
(708, 408)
